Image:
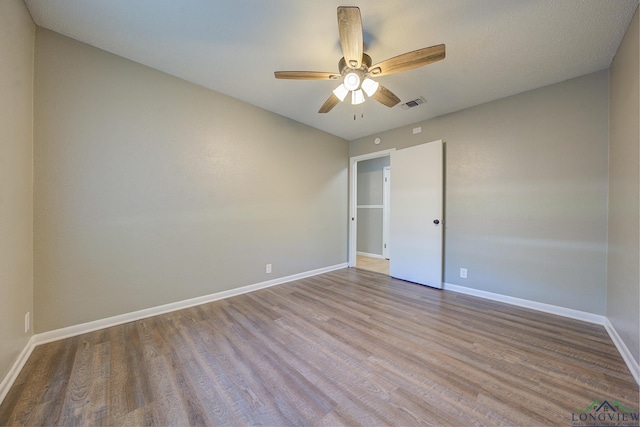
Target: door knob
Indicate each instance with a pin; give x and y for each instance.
(436, 221)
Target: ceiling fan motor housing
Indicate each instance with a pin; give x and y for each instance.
(353, 77)
(364, 68)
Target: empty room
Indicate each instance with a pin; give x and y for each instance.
(319, 213)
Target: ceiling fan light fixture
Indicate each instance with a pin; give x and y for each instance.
(352, 81)
(341, 92)
(370, 87)
(355, 67)
(357, 97)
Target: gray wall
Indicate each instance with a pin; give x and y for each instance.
(16, 178)
(623, 277)
(370, 191)
(150, 190)
(526, 192)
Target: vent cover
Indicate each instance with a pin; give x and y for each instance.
(413, 103)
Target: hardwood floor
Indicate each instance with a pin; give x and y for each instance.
(379, 265)
(350, 347)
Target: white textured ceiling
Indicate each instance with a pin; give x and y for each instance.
(495, 48)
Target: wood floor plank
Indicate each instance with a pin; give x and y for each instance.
(74, 412)
(55, 377)
(349, 347)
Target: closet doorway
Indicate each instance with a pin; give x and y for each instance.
(369, 246)
(414, 238)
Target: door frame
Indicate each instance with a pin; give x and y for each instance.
(386, 217)
(353, 199)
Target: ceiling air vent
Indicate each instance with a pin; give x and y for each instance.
(413, 103)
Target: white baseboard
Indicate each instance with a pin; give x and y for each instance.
(11, 376)
(95, 325)
(539, 306)
(633, 366)
(370, 255)
(70, 331)
(82, 328)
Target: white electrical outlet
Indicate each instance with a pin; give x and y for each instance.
(268, 269)
(417, 130)
(463, 273)
(27, 322)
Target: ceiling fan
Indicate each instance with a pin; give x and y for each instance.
(356, 69)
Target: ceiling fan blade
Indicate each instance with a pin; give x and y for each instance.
(408, 60)
(351, 40)
(328, 105)
(385, 96)
(306, 75)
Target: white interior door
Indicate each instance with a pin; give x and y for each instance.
(416, 214)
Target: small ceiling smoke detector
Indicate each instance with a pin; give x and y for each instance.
(413, 103)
